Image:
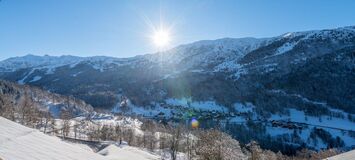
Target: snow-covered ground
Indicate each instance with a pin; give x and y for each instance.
(299, 116)
(199, 105)
(344, 156)
(332, 125)
(285, 48)
(243, 108)
(124, 152)
(18, 142)
(36, 78)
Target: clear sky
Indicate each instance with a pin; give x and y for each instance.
(120, 28)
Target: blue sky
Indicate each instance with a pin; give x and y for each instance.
(120, 28)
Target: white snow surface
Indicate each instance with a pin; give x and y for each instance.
(36, 78)
(347, 155)
(206, 52)
(200, 105)
(31, 61)
(299, 116)
(18, 142)
(124, 122)
(243, 108)
(50, 63)
(338, 33)
(22, 81)
(231, 66)
(284, 48)
(124, 152)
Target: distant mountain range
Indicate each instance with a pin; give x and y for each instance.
(312, 69)
(295, 75)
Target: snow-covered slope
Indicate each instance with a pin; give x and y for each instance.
(206, 52)
(196, 53)
(344, 156)
(18, 142)
(124, 152)
(42, 99)
(21, 143)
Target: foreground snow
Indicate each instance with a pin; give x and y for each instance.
(123, 152)
(18, 142)
(347, 155)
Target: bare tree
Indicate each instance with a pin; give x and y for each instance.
(255, 150)
(45, 120)
(190, 142)
(163, 142)
(129, 136)
(213, 144)
(124, 104)
(28, 110)
(75, 128)
(81, 127)
(65, 115)
(106, 132)
(24, 108)
(7, 107)
(94, 133)
(149, 140)
(175, 138)
(145, 140)
(118, 132)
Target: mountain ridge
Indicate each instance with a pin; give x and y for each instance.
(201, 42)
(296, 81)
(229, 57)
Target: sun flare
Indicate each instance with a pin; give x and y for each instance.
(161, 38)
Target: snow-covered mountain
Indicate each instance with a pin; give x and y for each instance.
(30, 61)
(310, 73)
(228, 60)
(201, 52)
(22, 95)
(195, 54)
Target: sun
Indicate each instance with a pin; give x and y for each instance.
(161, 38)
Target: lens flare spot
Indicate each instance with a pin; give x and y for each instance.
(194, 123)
